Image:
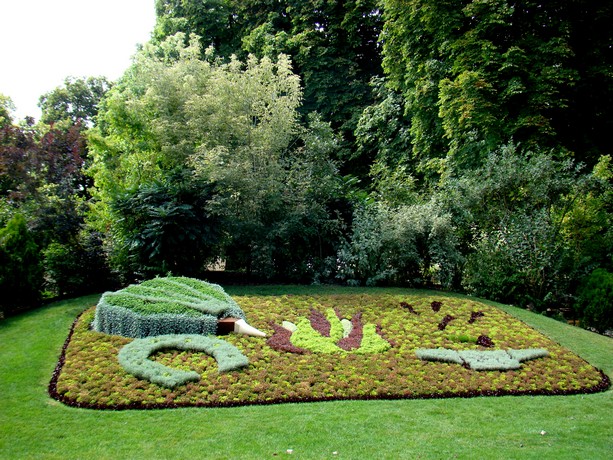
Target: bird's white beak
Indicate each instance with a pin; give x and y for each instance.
(241, 327)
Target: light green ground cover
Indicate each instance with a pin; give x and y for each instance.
(34, 426)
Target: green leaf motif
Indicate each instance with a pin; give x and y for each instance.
(306, 337)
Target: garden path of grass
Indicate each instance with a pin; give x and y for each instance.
(32, 425)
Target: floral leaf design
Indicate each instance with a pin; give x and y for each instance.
(325, 333)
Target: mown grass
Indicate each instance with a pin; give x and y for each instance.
(32, 425)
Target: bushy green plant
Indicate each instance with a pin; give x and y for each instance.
(595, 303)
(413, 244)
(134, 357)
(76, 267)
(21, 275)
(512, 216)
(164, 227)
(524, 260)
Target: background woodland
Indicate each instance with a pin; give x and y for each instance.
(460, 145)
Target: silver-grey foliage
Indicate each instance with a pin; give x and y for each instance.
(482, 360)
(134, 357)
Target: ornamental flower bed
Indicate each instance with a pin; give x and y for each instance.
(89, 373)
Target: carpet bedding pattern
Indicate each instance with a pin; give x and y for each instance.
(335, 347)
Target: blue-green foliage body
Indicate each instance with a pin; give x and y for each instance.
(172, 305)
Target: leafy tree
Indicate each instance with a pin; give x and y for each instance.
(478, 74)
(76, 101)
(236, 125)
(214, 21)
(383, 140)
(42, 180)
(333, 45)
(6, 107)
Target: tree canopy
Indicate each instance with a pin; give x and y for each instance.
(461, 145)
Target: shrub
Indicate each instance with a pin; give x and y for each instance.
(77, 267)
(524, 260)
(21, 275)
(413, 244)
(595, 302)
(531, 225)
(164, 227)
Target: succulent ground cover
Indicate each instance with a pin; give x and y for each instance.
(90, 375)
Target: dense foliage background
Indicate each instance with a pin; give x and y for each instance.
(461, 145)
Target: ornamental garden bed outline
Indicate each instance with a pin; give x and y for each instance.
(332, 362)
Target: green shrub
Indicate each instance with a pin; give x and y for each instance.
(595, 302)
(134, 357)
(522, 261)
(164, 227)
(413, 245)
(77, 267)
(21, 275)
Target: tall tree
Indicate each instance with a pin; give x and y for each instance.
(76, 101)
(333, 45)
(235, 126)
(477, 74)
(6, 107)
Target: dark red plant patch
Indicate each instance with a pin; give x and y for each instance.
(280, 340)
(485, 341)
(474, 315)
(436, 306)
(444, 322)
(354, 339)
(409, 307)
(320, 323)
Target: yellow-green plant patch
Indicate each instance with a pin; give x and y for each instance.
(90, 375)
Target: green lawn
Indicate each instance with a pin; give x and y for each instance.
(32, 425)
